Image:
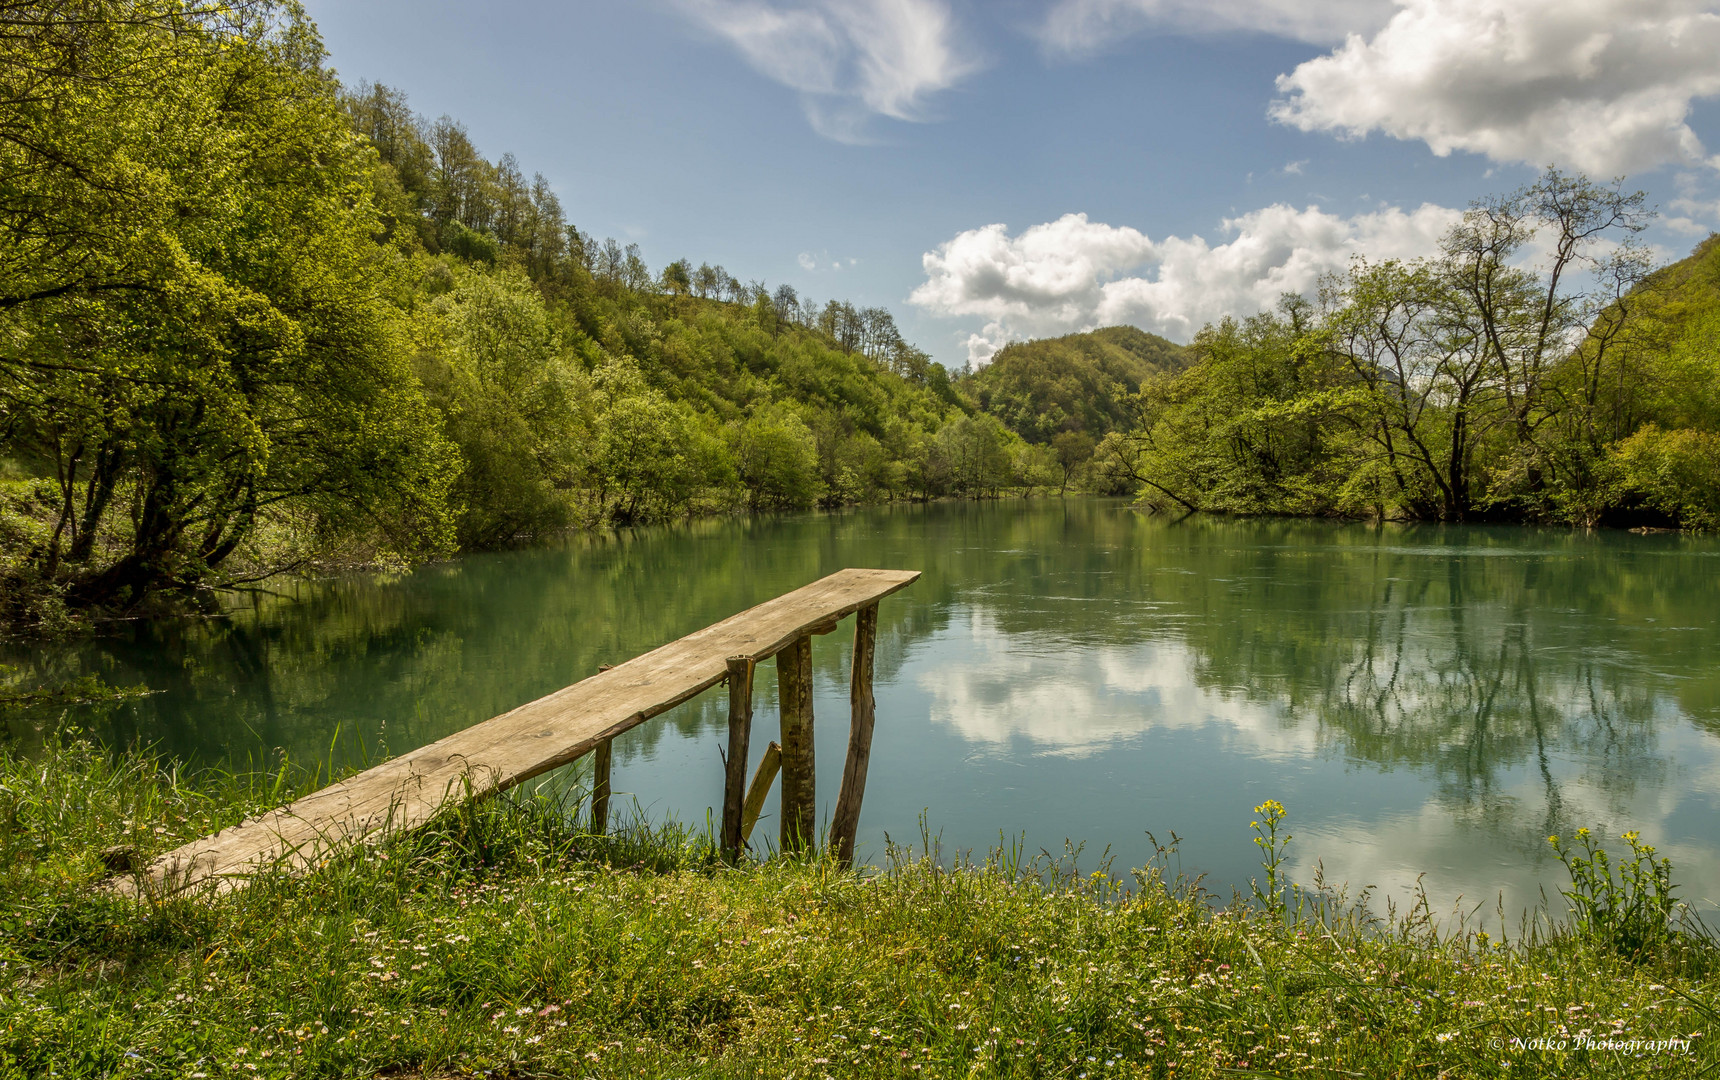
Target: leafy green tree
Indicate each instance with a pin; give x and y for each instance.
(776, 459)
(1034, 467)
(1074, 452)
(1422, 398)
(677, 278)
(977, 449)
(1676, 473)
(651, 457)
(1244, 430)
(634, 274)
(200, 341)
(515, 404)
(1527, 320)
(765, 314)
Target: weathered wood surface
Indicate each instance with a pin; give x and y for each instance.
(799, 763)
(845, 821)
(511, 748)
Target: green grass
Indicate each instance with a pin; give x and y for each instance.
(503, 942)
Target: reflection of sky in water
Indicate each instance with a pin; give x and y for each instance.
(1422, 699)
(1047, 697)
(995, 735)
(1030, 697)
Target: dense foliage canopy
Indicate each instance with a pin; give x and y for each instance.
(201, 344)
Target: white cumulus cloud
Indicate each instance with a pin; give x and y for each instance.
(1074, 274)
(1082, 25)
(850, 60)
(1605, 86)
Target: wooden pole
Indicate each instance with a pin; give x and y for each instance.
(735, 772)
(600, 787)
(600, 779)
(846, 820)
(761, 781)
(799, 784)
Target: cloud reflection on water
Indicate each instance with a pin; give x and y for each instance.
(1075, 701)
(1494, 742)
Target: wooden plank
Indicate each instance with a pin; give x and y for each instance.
(740, 732)
(763, 777)
(511, 748)
(799, 763)
(845, 821)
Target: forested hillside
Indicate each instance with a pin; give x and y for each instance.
(1077, 383)
(580, 387)
(1067, 393)
(255, 321)
(1481, 384)
(1666, 460)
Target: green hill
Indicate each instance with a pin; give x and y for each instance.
(1659, 353)
(1676, 336)
(1072, 383)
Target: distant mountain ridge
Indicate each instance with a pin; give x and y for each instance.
(1042, 388)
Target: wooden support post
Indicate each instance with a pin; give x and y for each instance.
(600, 787)
(846, 820)
(600, 779)
(761, 781)
(735, 772)
(799, 784)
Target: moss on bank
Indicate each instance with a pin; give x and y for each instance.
(502, 942)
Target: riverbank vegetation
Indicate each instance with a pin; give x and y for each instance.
(504, 941)
(1488, 383)
(256, 321)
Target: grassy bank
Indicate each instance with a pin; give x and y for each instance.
(502, 942)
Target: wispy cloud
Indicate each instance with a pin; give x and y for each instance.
(1696, 210)
(822, 261)
(1077, 26)
(850, 60)
(1603, 85)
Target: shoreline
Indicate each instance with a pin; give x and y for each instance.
(503, 941)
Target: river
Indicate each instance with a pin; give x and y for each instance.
(1424, 699)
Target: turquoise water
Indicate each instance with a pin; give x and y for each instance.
(1423, 699)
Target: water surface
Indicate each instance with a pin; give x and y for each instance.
(1423, 699)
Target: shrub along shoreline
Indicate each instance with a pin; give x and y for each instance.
(503, 941)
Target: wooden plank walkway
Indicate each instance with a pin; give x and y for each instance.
(514, 747)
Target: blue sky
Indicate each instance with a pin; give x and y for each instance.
(1017, 168)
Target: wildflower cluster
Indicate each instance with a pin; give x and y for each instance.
(1630, 911)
